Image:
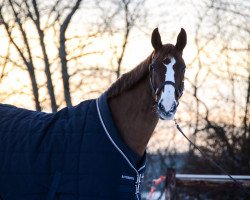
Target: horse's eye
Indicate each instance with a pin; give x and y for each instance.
(166, 61)
(179, 92)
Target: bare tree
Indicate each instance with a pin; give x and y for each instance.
(129, 13)
(63, 53)
(36, 18)
(27, 60)
(222, 119)
(45, 16)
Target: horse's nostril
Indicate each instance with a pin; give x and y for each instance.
(175, 105)
(161, 106)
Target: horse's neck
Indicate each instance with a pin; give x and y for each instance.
(134, 116)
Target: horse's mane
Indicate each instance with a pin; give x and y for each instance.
(128, 80)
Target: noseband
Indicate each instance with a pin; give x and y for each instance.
(156, 90)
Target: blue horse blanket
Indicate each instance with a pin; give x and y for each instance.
(74, 154)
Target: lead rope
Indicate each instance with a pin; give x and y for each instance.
(212, 161)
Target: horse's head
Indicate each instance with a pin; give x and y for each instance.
(167, 73)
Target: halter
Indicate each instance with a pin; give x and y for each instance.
(156, 92)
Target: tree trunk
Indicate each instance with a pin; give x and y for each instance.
(29, 64)
(34, 86)
(50, 86)
(246, 117)
(125, 41)
(63, 54)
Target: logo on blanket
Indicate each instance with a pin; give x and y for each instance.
(128, 177)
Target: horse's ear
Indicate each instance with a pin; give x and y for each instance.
(156, 40)
(181, 40)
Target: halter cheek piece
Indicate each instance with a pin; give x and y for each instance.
(156, 92)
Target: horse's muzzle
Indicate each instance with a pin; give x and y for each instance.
(167, 115)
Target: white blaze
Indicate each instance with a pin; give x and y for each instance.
(168, 96)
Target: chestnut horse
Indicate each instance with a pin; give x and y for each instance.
(155, 83)
(95, 150)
